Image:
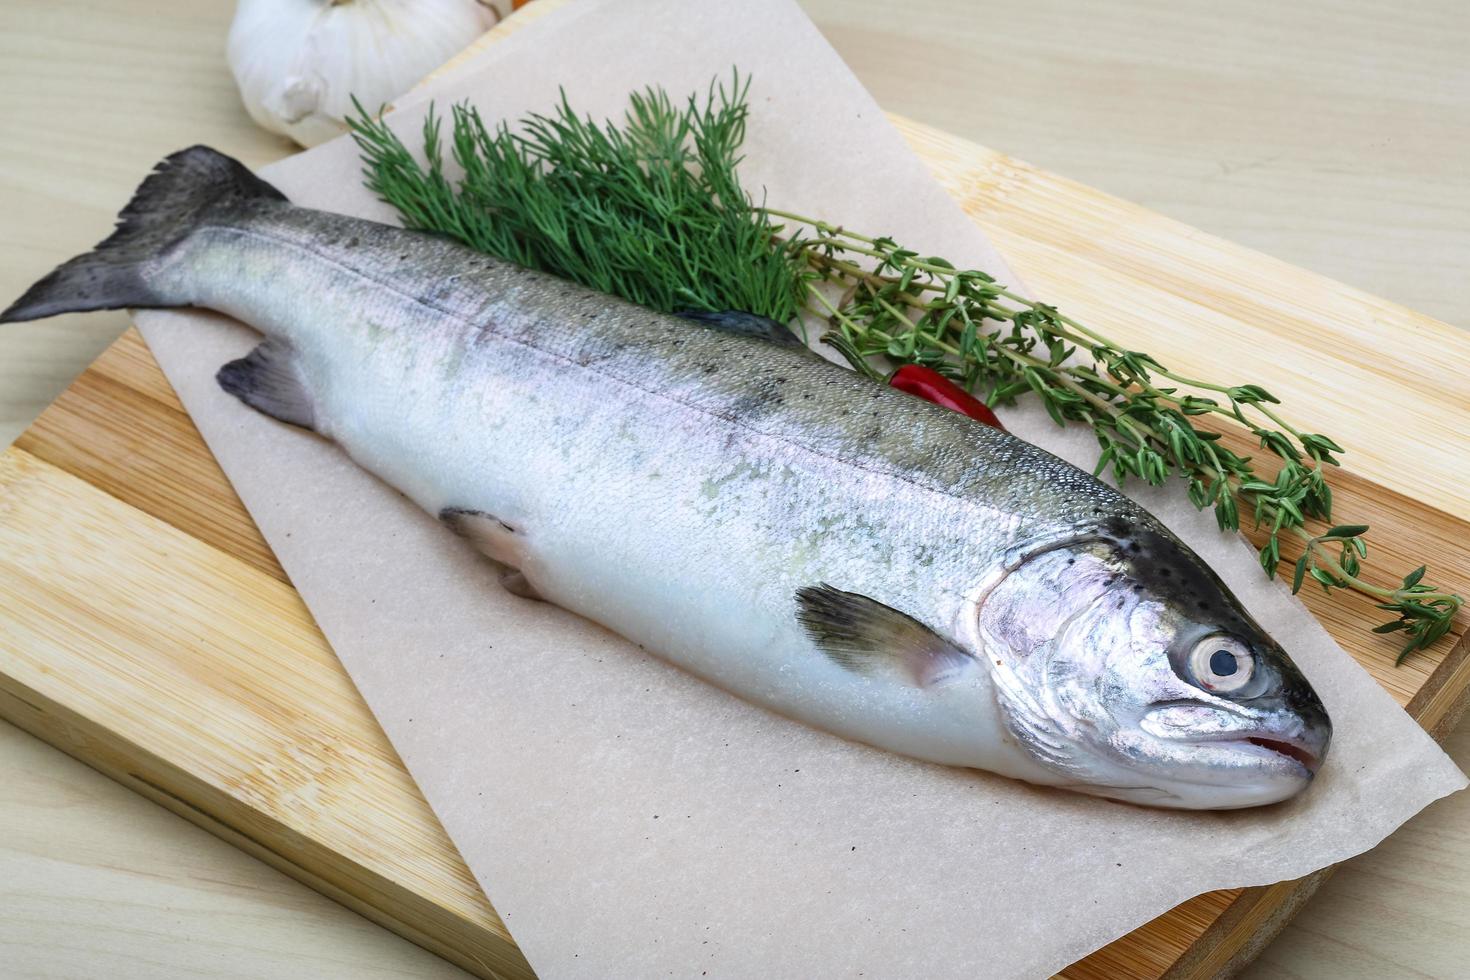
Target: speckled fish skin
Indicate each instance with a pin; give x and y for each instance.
(681, 484)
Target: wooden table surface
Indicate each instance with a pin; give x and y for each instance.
(1333, 134)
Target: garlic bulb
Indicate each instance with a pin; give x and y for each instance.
(298, 63)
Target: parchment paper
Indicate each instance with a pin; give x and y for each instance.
(628, 820)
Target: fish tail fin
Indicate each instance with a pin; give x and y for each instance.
(168, 205)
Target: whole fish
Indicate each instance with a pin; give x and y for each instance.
(836, 550)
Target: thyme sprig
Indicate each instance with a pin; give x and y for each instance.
(906, 308)
(652, 209)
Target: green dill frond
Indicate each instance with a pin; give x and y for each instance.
(651, 209)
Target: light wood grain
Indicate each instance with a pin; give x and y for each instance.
(1332, 135)
(91, 96)
(200, 680)
(136, 892)
(252, 729)
(95, 140)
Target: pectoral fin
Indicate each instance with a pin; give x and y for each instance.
(863, 635)
(496, 540)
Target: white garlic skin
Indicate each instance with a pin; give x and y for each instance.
(298, 63)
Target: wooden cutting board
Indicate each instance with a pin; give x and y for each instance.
(147, 629)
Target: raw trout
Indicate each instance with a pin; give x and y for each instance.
(836, 550)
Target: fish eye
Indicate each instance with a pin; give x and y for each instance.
(1221, 664)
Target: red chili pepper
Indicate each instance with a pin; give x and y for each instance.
(932, 386)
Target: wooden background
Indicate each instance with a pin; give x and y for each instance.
(1327, 138)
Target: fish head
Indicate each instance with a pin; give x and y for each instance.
(1125, 665)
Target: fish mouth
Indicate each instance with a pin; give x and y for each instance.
(1291, 750)
(1296, 755)
(1257, 746)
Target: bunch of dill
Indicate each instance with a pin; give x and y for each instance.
(652, 210)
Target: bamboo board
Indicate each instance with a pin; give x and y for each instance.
(146, 628)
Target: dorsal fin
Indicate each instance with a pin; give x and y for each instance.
(738, 321)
